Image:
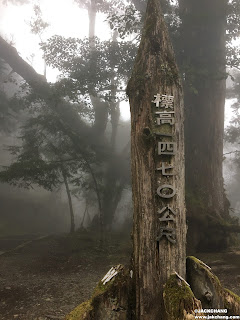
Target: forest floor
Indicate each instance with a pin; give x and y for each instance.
(48, 277)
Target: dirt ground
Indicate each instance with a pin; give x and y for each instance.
(49, 277)
(46, 278)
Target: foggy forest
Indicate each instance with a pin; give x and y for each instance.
(119, 159)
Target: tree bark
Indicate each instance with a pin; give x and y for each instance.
(155, 256)
(203, 50)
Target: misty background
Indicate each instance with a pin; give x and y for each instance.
(37, 210)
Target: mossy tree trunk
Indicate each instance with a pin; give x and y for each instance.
(157, 252)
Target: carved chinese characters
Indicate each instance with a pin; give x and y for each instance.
(166, 214)
(166, 150)
(164, 101)
(165, 117)
(166, 191)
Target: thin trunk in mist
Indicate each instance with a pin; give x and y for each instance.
(159, 232)
(45, 69)
(100, 111)
(114, 104)
(112, 191)
(72, 223)
(84, 215)
(100, 107)
(92, 12)
(114, 188)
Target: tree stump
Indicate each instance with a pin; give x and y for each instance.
(207, 288)
(111, 300)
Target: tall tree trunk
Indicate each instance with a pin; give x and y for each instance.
(112, 192)
(72, 222)
(100, 107)
(116, 179)
(113, 188)
(158, 211)
(92, 11)
(203, 43)
(114, 104)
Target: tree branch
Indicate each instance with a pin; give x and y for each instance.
(236, 151)
(38, 83)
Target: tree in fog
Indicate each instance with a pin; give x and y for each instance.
(45, 158)
(98, 80)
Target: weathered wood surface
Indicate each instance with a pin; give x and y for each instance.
(179, 300)
(111, 300)
(155, 71)
(207, 288)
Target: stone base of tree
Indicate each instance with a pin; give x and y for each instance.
(113, 298)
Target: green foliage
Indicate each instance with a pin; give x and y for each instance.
(37, 24)
(86, 71)
(127, 23)
(45, 154)
(233, 19)
(26, 173)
